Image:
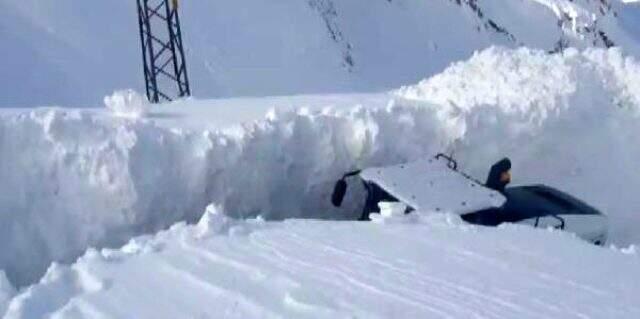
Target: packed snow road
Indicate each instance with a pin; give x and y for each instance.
(412, 266)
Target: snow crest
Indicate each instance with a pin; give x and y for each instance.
(531, 83)
(75, 180)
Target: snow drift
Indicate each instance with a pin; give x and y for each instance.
(74, 179)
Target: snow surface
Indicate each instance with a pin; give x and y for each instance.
(421, 266)
(73, 52)
(76, 179)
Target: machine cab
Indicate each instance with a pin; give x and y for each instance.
(428, 185)
(436, 185)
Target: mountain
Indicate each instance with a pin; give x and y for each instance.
(73, 52)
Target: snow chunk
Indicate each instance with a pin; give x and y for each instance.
(142, 244)
(127, 104)
(213, 222)
(216, 222)
(631, 250)
(390, 209)
(391, 212)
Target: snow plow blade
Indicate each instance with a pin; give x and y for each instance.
(433, 185)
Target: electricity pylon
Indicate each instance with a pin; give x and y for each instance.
(162, 50)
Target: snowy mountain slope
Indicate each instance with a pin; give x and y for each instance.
(288, 47)
(428, 267)
(55, 50)
(80, 179)
(629, 15)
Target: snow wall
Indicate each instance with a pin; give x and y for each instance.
(72, 179)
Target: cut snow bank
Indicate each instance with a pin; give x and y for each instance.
(74, 180)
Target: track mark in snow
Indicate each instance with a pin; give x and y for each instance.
(233, 302)
(251, 271)
(291, 261)
(453, 291)
(310, 269)
(79, 308)
(551, 279)
(306, 304)
(440, 307)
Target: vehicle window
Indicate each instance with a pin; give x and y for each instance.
(545, 222)
(553, 198)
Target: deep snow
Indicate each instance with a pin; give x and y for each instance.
(77, 179)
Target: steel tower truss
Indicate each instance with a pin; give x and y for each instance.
(162, 50)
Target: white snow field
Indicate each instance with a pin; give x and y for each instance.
(73, 52)
(75, 179)
(414, 266)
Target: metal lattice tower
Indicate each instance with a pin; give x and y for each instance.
(162, 50)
